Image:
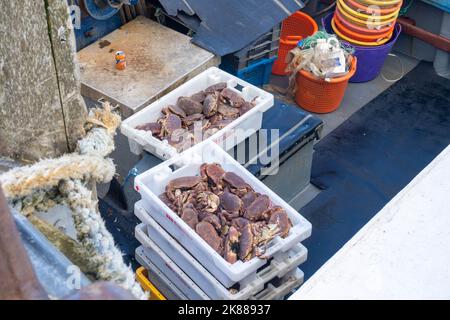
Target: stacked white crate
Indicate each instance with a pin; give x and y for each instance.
(167, 255)
(160, 221)
(178, 256)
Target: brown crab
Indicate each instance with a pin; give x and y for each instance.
(239, 223)
(189, 105)
(246, 242)
(208, 233)
(255, 211)
(215, 173)
(248, 198)
(176, 110)
(182, 198)
(216, 87)
(280, 218)
(231, 245)
(153, 127)
(231, 97)
(213, 219)
(169, 124)
(253, 236)
(231, 202)
(189, 215)
(181, 183)
(245, 107)
(262, 234)
(208, 201)
(210, 104)
(237, 185)
(189, 120)
(199, 96)
(227, 111)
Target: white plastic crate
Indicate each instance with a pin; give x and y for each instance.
(172, 271)
(289, 282)
(247, 124)
(151, 184)
(158, 279)
(278, 267)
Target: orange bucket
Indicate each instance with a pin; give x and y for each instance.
(294, 28)
(320, 96)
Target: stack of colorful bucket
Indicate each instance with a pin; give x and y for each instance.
(370, 26)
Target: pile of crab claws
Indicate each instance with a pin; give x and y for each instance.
(208, 111)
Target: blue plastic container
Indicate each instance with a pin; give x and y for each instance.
(370, 59)
(257, 73)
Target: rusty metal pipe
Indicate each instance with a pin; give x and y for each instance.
(437, 41)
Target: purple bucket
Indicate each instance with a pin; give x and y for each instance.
(370, 59)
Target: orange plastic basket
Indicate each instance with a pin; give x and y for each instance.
(294, 28)
(320, 96)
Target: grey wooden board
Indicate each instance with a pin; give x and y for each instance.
(219, 21)
(158, 60)
(40, 108)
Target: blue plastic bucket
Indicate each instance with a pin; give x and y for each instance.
(370, 59)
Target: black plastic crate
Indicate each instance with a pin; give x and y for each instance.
(264, 47)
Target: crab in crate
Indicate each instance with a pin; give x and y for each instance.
(207, 111)
(225, 211)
